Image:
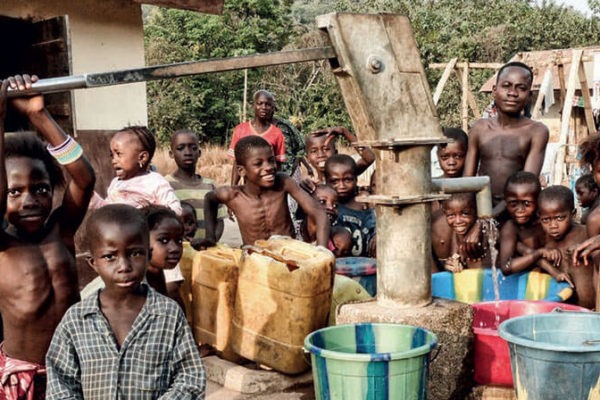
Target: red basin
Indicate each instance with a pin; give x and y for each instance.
(492, 359)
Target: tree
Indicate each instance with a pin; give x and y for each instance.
(211, 103)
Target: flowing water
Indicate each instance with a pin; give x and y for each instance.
(489, 228)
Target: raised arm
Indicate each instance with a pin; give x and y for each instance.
(312, 208)
(367, 157)
(67, 152)
(537, 150)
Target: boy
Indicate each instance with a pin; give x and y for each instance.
(522, 237)
(460, 214)
(127, 341)
(37, 242)
(261, 125)
(320, 145)
(556, 210)
(340, 172)
(328, 200)
(451, 156)
(188, 185)
(508, 142)
(587, 195)
(260, 205)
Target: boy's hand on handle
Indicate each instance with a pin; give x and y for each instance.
(585, 249)
(28, 104)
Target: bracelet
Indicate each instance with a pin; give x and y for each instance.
(66, 152)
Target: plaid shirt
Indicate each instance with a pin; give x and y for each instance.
(158, 359)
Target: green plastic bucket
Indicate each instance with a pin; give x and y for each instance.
(555, 355)
(370, 361)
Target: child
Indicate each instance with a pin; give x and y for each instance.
(451, 156)
(261, 125)
(522, 237)
(261, 203)
(188, 217)
(320, 145)
(166, 249)
(131, 150)
(590, 154)
(37, 252)
(587, 195)
(556, 210)
(340, 242)
(508, 142)
(328, 199)
(460, 214)
(188, 185)
(340, 172)
(126, 341)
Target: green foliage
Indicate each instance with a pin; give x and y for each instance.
(477, 31)
(210, 103)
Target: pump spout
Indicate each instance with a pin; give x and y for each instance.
(478, 184)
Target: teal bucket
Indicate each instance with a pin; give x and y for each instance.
(370, 361)
(555, 355)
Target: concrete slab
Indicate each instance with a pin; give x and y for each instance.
(492, 393)
(247, 379)
(451, 373)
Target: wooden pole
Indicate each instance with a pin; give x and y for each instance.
(537, 108)
(559, 165)
(445, 75)
(245, 102)
(465, 97)
(587, 100)
(561, 79)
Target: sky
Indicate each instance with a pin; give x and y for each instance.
(580, 5)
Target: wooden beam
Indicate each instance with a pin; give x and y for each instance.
(587, 100)
(537, 108)
(445, 75)
(561, 79)
(465, 97)
(203, 6)
(557, 173)
(471, 65)
(470, 97)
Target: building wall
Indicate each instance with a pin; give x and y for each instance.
(105, 35)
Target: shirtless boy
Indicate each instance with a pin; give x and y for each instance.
(447, 235)
(522, 237)
(37, 249)
(556, 210)
(508, 142)
(260, 205)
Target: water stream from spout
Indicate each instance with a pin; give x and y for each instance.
(489, 229)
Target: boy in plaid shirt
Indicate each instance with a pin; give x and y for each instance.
(128, 341)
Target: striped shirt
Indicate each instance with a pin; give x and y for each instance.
(158, 357)
(194, 194)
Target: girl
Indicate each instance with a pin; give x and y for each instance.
(166, 246)
(37, 249)
(131, 151)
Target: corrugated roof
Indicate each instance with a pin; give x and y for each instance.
(539, 61)
(203, 6)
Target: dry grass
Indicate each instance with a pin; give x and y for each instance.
(213, 163)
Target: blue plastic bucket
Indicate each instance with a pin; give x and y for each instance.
(555, 355)
(370, 361)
